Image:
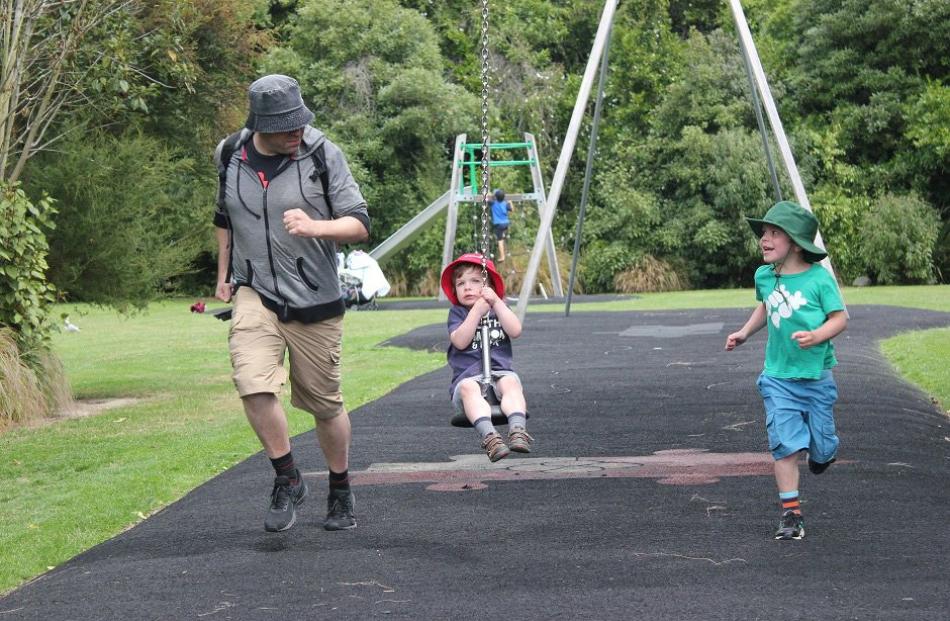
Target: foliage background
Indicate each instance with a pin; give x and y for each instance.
(861, 86)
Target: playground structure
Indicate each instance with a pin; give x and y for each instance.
(462, 191)
(547, 204)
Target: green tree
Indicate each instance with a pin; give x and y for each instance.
(41, 71)
(113, 246)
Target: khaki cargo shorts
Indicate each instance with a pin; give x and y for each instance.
(258, 341)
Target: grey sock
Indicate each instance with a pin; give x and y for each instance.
(517, 419)
(483, 426)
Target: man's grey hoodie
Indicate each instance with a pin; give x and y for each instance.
(289, 272)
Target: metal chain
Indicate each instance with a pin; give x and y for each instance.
(485, 140)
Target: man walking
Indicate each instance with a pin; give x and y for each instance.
(286, 199)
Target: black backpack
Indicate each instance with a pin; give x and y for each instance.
(235, 140)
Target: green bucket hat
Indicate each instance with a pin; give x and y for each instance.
(799, 223)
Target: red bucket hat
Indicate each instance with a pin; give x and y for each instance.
(473, 258)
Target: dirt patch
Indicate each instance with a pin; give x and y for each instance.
(77, 408)
(90, 407)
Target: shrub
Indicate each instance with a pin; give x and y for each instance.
(898, 237)
(649, 274)
(32, 383)
(24, 292)
(515, 267)
(21, 397)
(132, 214)
(601, 261)
(841, 216)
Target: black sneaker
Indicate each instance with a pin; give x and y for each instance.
(340, 507)
(283, 499)
(792, 526)
(817, 468)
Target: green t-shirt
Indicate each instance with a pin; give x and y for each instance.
(795, 302)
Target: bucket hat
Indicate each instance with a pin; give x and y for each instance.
(799, 223)
(473, 258)
(276, 105)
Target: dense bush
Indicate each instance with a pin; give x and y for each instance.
(601, 262)
(897, 240)
(25, 294)
(649, 274)
(31, 378)
(132, 214)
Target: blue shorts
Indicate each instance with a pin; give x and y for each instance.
(799, 415)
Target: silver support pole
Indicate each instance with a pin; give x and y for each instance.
(591, 148)
(567, 148)
(451, 217)
(757, 106)
(752, 59)
(486, 351)
(538, 183)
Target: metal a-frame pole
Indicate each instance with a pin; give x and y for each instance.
(567, 148)
(763, 132)
(452, 213)
(751, 55)
(591, 149)
(538, 182)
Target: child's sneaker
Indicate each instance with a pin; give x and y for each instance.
(818, 468)
(494, 446)
(519, 441)
(792, 526)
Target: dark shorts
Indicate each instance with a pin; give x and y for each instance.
(501, 231)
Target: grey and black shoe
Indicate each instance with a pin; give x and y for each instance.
(341, 505)
(792, 526)
(284, 498)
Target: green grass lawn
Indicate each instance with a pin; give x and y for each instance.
(68, 485)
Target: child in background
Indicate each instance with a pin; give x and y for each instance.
(500, 208)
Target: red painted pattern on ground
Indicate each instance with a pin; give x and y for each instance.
(470, 472)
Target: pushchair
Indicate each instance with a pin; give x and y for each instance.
(361, 280)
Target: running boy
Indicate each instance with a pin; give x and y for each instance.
(472, 299)
(801, 305)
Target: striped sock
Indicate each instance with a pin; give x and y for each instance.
(790, 502)
(340, 480)
(284, 466)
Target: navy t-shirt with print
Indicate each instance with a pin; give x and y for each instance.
(468, 362)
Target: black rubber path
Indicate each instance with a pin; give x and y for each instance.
(649, 496)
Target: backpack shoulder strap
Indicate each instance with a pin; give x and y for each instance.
(222, 158)
(320, 170)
